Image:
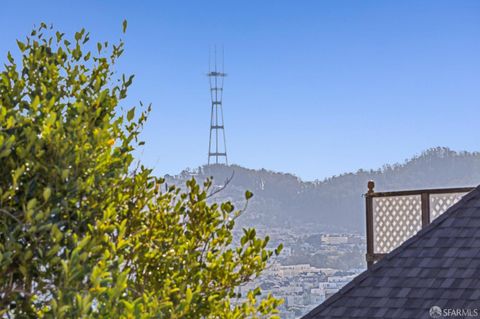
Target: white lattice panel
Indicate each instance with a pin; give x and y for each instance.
(395, 219)
(439, 203)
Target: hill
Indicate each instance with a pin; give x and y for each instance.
(336, 203)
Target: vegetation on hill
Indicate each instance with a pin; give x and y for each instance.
(284, 199)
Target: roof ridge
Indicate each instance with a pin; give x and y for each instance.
(375, 267)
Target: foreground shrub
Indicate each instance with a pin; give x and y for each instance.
(85, 231)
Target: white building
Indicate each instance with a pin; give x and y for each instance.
(334, 239)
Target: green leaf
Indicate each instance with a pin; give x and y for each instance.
(248, 195)
(46, 193)
(56, 233)
(79, 35)
(278, 249)
(21, 46)
(188, 295)
(124, 26)
(9, 57)
(59, 36)
(131, 114)
(35, 102)
(32, 204)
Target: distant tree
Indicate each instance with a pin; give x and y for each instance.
(86, 233)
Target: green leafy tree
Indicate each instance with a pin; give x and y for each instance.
(85, 232)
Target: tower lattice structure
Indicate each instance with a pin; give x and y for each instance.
(217, 144)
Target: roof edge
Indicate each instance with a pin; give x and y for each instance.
(357, 280)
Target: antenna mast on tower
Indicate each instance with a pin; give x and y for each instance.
(217, 145)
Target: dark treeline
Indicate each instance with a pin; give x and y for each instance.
(284, 199)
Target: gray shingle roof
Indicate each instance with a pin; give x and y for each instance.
(439, 266)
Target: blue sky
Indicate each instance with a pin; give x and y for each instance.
(315, 88)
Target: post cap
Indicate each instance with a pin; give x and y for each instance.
(371, 186)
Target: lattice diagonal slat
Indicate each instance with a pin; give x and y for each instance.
(439, 203)
(395, 219)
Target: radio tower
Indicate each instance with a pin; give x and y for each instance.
(217, 145)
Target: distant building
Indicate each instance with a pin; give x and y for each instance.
(295, 270)
(334, 239)
(328, 271)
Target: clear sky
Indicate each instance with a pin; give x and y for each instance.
(315, 88)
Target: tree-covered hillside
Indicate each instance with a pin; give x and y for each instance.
(334, 203)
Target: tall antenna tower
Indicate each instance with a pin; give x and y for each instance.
(217, 145)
